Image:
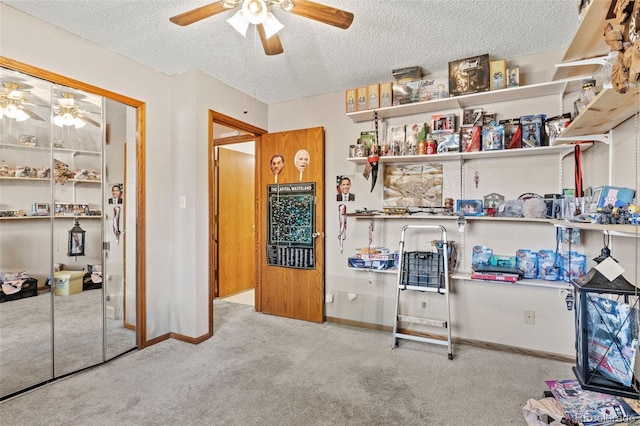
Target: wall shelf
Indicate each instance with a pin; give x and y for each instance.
(561, 149)
(557, 87)
(524, 282)
(604, 113)
(49, 217)
(619, 230)
(588, 42)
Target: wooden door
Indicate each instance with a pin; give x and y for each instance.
(290, 291)
(236, 213)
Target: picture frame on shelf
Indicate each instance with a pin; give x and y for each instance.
(470, 207)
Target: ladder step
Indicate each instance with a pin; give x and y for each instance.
(425, 321)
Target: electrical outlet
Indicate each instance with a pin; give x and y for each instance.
(424, 305)
(530, 317)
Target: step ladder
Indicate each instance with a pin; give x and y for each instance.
(425, 271)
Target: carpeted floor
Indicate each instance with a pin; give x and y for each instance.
(265, 370)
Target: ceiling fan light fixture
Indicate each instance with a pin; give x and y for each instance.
(254, 11)
(58, 120)
(239, 23)
(271, 25)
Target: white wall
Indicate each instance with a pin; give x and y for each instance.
(176, 158)
(481, 311)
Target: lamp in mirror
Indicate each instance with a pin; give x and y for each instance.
(76, 240)
(13, 103)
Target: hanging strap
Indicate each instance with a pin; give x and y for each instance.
(578, 169)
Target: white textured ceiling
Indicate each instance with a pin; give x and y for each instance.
(317, 58)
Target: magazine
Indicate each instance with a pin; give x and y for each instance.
(590, 408)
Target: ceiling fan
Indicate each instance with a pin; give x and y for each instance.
(68, 112)
(257, 12)
(13, 102)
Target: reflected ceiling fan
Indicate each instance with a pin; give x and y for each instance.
(68, 112)
(13, 102)
(257, 12)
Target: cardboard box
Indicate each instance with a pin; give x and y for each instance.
(386, 94)
(433, 88)
(513, 76)
(350, 100)
(362, 99)
(498, 74)
(68, 282)
(470, 75)
(373, 96)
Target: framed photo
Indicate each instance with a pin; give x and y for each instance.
(469, 207)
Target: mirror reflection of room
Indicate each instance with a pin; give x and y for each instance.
(63, 274)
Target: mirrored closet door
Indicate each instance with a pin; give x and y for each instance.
(67, 258)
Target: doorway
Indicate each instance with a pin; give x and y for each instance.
(232, 201)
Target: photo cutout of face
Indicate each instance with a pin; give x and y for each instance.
(301, 161)
(277, 164)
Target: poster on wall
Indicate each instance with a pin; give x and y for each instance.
(412, 185)
(291, 222)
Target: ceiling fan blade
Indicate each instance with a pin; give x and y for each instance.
(195, 15)
(322, 13)
(89, 120)
(32, 114)
(272, 45)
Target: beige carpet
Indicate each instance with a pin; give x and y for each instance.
(246, 297)
(265, 370)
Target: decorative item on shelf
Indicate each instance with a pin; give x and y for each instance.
(493, 200)
(406, 85)
(513, 76)
(469, 207)
(61, 172)
(361, 98)
(470, 75)
(533, 131)
(512, 133)
(76, 240)
(626, 42)
(606, 318)
(58, 143)
(556, 125)
(4, 169)
(606, 251)
(350, 100)
(498, 72)
(386, 94)
(433, 88)
(40, 209)
(373, 96)
(27, 140)
(587, 95)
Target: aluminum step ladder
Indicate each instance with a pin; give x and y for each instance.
(425, 271)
